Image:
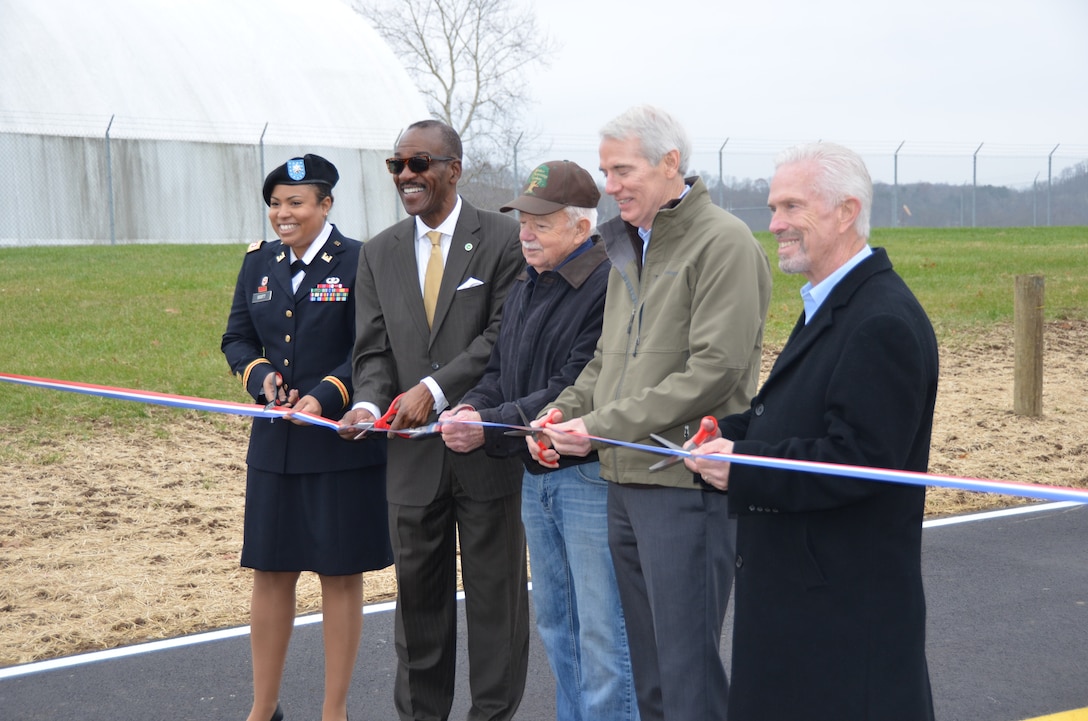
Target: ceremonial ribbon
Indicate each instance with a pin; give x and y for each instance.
(168, 399)
(916, 478)
(1011, 488)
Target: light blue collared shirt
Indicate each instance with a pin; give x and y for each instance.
(813, 296)
(645, 234)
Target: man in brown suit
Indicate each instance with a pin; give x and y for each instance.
(425, 342)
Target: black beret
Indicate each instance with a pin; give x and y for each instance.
(307, 170)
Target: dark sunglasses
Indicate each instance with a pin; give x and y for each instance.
(416, 163)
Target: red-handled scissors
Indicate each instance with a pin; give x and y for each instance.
(276, 402)
(527, 429)
(381, 424)
(702, 436)
(537, 433)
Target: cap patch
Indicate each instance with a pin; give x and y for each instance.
(296, 169)
(537, 179)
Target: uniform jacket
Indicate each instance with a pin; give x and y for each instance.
(307, 338)
(550, 326)
(829, 598)
(394, 348)
(681, 340)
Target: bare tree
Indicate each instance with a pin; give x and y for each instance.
(468, 58)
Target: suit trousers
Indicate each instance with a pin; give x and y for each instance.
(425, 541)
(674, 550)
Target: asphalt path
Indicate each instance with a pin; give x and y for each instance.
(1007, 641)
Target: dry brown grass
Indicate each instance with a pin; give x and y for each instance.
(118, 538)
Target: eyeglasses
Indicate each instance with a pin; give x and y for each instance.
(416, 163)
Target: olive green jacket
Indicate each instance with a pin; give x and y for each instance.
(681, 340)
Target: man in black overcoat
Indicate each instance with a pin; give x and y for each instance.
(830, 611)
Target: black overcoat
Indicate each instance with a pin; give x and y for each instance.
(830, 611)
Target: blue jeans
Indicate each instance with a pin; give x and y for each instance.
(577, 604)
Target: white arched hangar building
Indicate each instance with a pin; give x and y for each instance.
(155, 121)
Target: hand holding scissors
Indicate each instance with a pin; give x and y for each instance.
(713, 472)
(535, 439)
(380, 424)
(277, 392)
(708, 431)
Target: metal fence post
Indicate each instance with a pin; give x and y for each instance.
(260, 180)
(721, 178)
(974, 181)
(1049, 169)
(109, 182)
(517, 173)
(895, 186)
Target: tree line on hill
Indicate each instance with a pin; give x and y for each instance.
(920, 205)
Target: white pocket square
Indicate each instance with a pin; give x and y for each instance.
(470, 283)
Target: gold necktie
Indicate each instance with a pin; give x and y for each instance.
(432, 279)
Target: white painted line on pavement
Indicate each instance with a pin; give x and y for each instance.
(198, 638)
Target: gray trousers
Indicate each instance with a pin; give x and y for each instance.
(674, 550)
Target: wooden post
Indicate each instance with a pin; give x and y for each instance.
(1028, 322)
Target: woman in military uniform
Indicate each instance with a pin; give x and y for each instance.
(314, 502)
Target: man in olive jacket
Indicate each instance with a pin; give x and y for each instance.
(683, 328)
(829, 623)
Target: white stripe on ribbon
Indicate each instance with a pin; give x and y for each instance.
(1009, 488)
(167, 399)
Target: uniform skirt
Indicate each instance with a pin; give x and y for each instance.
(334, 524)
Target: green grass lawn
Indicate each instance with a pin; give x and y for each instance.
(145, 317)
(151, 317)
(964, 277)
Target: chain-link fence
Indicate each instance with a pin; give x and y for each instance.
(124, 180)
(915, 184)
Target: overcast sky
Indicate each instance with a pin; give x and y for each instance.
(943, 75)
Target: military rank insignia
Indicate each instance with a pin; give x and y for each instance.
(329, 291)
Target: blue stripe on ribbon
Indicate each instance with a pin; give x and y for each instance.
(1010, 488)
(167, 399)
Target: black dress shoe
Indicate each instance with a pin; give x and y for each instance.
(278, 715)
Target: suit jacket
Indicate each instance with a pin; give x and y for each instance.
(306, 336)
(394, 348)
(830, 610)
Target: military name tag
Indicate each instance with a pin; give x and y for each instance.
(261, 297)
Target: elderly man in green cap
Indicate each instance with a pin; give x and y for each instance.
(551, 322)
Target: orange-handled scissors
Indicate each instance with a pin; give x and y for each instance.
(276, 402)
(381, 424)
(527, 429)
(702, 436)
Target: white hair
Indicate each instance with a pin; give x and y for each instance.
(842, 174)
(657, 132)
(574, 214)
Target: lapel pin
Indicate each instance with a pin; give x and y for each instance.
(281, 256)
(468, 246)
(326, 257)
